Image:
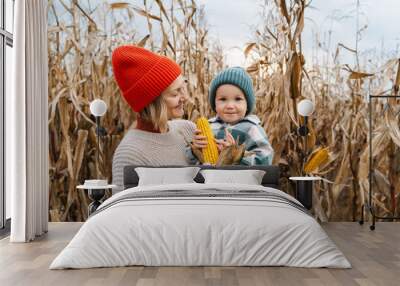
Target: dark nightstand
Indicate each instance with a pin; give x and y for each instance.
(304, 189)
(96, 194)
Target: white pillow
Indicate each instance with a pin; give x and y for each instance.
(249, 177)
(166, 176)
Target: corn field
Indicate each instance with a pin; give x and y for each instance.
(82, 35)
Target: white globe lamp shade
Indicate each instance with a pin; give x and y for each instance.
(305, 107)
(98, 107)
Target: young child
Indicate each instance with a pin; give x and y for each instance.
(232, 97)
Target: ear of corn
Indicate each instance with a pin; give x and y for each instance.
(210, 153)
(319, 157)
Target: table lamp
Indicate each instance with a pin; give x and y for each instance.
(96, 188)
(304, 188)
(98, 108)
(305, 108)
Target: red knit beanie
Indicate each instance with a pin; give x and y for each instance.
(142, 75)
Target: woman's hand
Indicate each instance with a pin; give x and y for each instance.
(199, 140)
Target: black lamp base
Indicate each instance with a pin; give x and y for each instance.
(304, 190)
(96, 195)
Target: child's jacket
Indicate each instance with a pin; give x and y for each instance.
(248, 131)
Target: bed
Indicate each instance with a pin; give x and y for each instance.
(201, 223)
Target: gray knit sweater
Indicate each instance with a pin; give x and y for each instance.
(140, 147)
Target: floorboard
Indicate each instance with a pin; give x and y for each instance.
(374, 255)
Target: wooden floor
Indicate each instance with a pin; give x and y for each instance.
(375, 257)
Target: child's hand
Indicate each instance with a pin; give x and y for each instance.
(221, 144)
(227, 142)
(199, 140)
(229, 138)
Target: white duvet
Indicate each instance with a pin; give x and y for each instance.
(200, 231)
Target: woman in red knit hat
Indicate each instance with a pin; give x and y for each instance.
(154, 88)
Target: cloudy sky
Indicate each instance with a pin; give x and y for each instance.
(231, 22)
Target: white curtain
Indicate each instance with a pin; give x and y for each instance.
(27, 123)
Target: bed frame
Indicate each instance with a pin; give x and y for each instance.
(270, 179)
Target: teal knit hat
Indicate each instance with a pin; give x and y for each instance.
(236, 76)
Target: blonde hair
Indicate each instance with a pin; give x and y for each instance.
(156, 113)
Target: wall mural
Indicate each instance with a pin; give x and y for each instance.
(81, 38)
